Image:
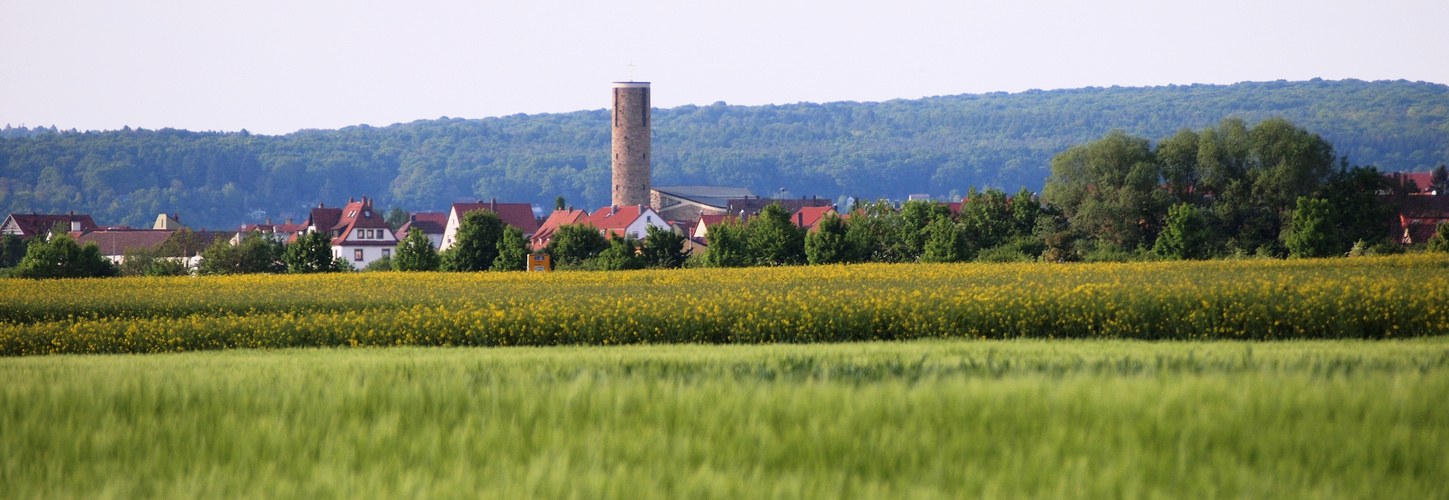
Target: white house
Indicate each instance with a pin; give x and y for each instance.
(361, 235)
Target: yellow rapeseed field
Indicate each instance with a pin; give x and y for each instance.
(1371, 297)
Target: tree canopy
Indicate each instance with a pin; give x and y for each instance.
(938, 145)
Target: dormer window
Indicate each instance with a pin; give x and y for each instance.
(367, 213)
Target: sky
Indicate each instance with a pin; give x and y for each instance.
(274, 67)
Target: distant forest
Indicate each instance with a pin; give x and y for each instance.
(938, 145)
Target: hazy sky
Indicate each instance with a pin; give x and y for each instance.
(279, 66)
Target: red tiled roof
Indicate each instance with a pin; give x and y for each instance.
(558, 218)
(33, 224)
(117, 242)
(519, 215)
(360, 215)
(610, 218)
(1423, 181)
(808, 217)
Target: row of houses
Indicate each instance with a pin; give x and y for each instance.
(361, 235)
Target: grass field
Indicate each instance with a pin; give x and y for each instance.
(1367, 297)
(923, 419)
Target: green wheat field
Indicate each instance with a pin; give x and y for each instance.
(917, 419)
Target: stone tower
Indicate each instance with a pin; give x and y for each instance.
(631, 143)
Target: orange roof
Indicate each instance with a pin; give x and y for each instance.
(610, 218)
(808, 217)
(558, 218)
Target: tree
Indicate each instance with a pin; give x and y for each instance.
(1440, 241)
(914, 217)
(1109, 189)
(1359, 212)
(945, 242)
(1187, 234)
(255, 253)
(559, 203)
(379, 264)
(512, 251)
(310, 253)
(986, 218)
(574, 244)
(663, 248)
(827, 243)
(182, 243)
(476, 245)
(61, 257)
(144, 262)
(1439, 179)
(727, 245)
(873, 234)
(773, 240)
(396, 218)
(1311, 233)
(1025, 210)
(622, 254)
(12, 249)
(415, 253)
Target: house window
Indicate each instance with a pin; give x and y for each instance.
(386, 252)
(357, 254)
(370, 234)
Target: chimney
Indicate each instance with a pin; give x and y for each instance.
(70, 213)
(289, 221)
(319, 205)
(269, 221)
(351, 200)
(176, 217)
(800, 219)
(493, 205)
(613, 209)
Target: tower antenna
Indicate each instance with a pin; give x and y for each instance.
(631, 71)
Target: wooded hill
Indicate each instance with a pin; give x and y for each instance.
(936, 145)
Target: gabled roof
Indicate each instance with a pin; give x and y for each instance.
(323, 218)
(715, 196)
(701, 227)
(118, 242)
(519, 215)
(808, 217)
(167, 221)
(616, 218)
(33, 224)
(430, 223)
(360, 215)
(558, 218)
(1423, 181)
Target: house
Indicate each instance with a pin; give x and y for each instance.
(1419, 183)
(701, 226)
(558, 218)
(167, 221)
(689, 202)
(32, 224)
(114, 243)
(810, 217)
(432, 224)
(626, 220)
(519, 215)
(281, 233)
(1418, 218)
(752, 206)
(361, 235)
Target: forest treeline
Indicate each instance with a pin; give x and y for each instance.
(936, 145)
